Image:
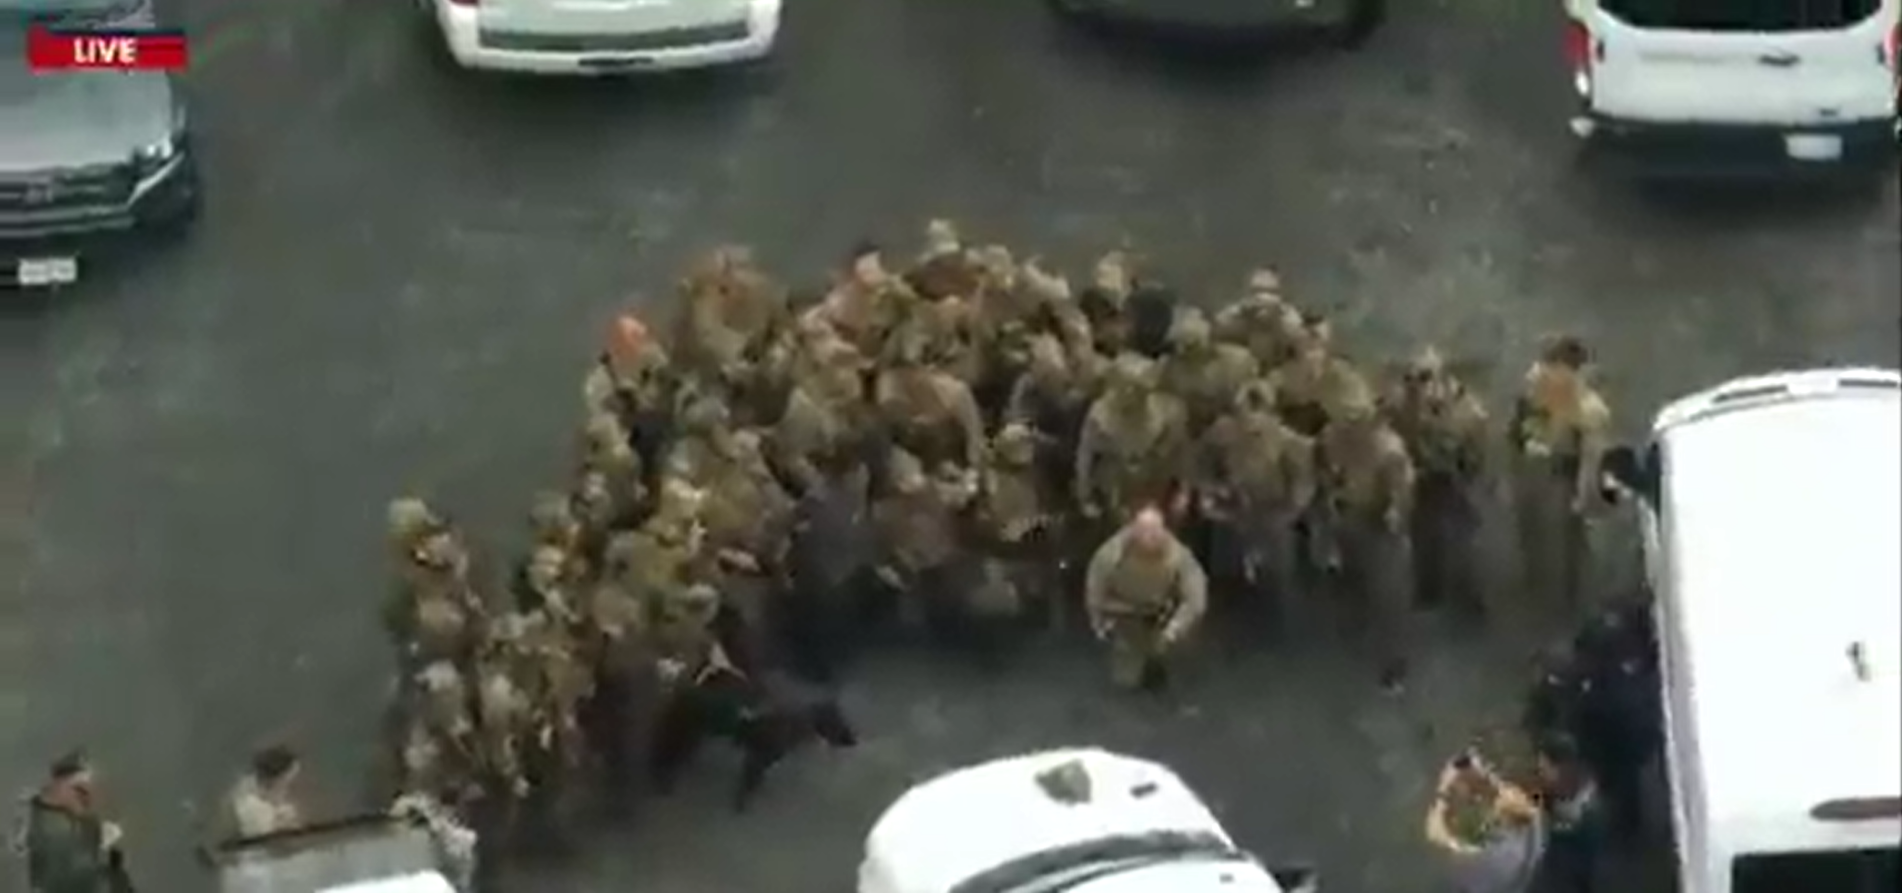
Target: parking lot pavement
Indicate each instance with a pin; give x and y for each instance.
(403, 269)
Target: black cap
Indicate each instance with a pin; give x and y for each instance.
(69, 764)
(271, 763)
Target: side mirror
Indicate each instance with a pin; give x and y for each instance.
(1622, 469)
(1296, 878)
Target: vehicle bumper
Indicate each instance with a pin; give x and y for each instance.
(461, 33)
(1716, 150)
(166, 197)
(1223, 18)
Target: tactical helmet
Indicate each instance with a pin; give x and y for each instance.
(1191, 329)
(547, 565)
(941, 238)
(1356, 403)
(551, 513)
(1255, 396)
(679, 499)
(1016, 443)
(1264, 282)
(705, 413)
(410, 518)
(1130, 372)
(907, 473)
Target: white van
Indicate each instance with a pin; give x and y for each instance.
(1772, 514)
(1700, 86)
(1077, 821)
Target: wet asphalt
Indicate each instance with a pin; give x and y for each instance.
(403, 269)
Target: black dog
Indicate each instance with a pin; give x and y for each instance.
(767, 718)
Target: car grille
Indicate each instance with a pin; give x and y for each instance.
(644, 41)
(77, 188)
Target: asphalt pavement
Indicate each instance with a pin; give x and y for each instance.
(404, 268)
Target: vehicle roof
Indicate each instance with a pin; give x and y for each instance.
(952, 827)
(1783, 513)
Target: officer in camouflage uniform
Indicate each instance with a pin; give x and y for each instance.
(1369, 490)
(1145, 593)
(867, 301)
(547, 584)
(921, 518)
(664, 554)
(731, 307)
(682, 624)
(748, 518)
(1051, 401)
(1105, 303)
(1134, 449)
(826, 418)
(554, 522)
(613, 477)
(1312, 385)
(633, 380)
(705, 430)
(1203, 373)
(439, 749)
(1262, 322)
(1256, 482)
(434, 614)
(1445, 428)
(1560, 431)
(1020, 521)
(928, 412)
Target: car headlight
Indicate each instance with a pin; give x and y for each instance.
(151, 158)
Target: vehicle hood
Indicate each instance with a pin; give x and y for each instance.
(970, 821)
(77, 118)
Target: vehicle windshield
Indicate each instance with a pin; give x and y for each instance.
(1064, 868)
(1740, 15)
(1841, 871)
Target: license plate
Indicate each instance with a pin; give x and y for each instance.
(1813, 146)
(616, 63)
(44, 271)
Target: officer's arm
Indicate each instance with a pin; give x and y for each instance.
(1087, 446)
(1593, 429)
(1474, 445)
(1299, 464)
(1097, 579)
(1399, 476)
(1017, 408)
(971, 420)
(1192, 591)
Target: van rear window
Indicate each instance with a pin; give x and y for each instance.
(1840, 871)
(1741, 15)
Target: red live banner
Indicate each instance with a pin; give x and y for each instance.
(65, 50)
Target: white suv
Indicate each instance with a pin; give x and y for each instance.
(1693, 86)
(604, 37)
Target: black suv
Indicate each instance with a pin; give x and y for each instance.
(84, 154)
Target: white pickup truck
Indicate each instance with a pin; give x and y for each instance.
(1062, 821)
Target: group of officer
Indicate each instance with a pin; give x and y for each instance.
(965, 439)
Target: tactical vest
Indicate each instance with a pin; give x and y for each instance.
(1256, 459)
(1014, 503)
(1142, 585)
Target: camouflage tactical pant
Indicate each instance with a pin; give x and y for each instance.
(1136, 649)
(1258, 549)
(1445, 529)
(1554, 542)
